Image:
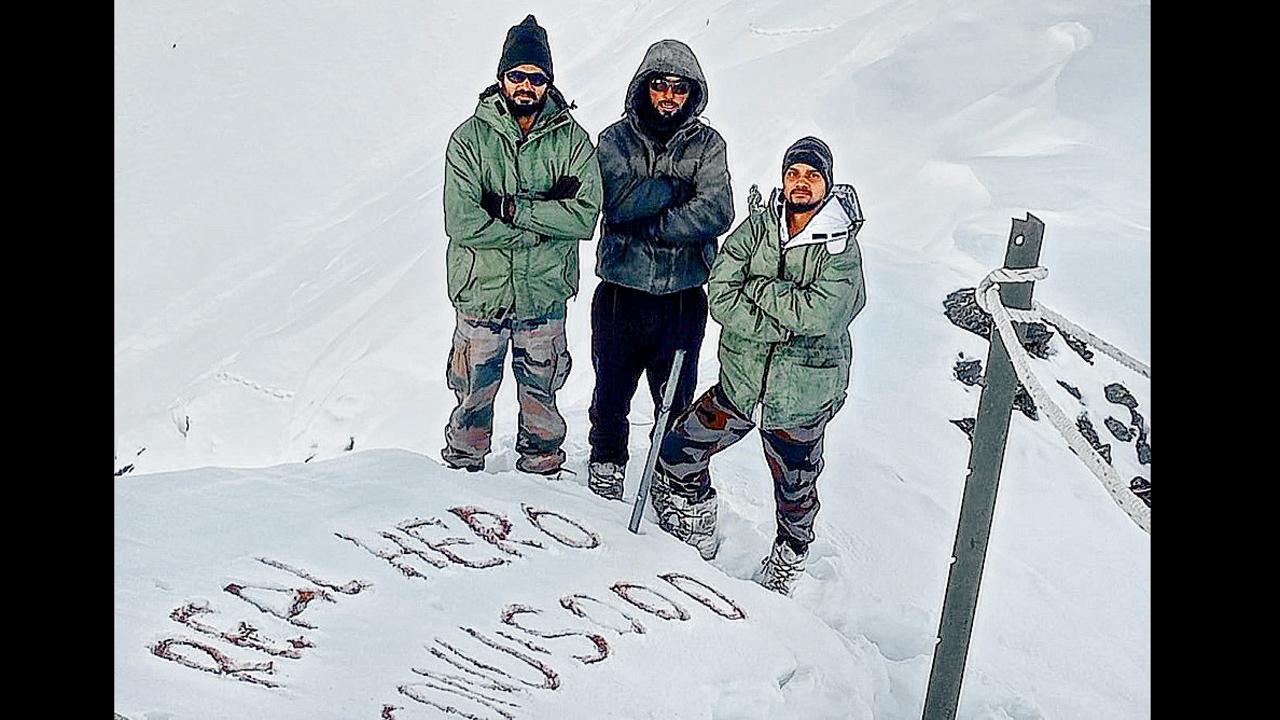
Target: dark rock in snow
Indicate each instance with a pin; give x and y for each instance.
(1086, 429)
(1080, 346)
(962, 310)
(1142, 488)
(965, 424)
(969, 372)
(1144, 450)
(1037, 343)
(1023, 402)
(126, 469)
(1120, 395)
(1105, 452)
(1143, 447)
(1135, 419)
(1119, 429)
(1075, 391)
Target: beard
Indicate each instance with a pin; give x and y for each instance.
(655, 122)
(662, 123)
(802, 207)
(520, 110)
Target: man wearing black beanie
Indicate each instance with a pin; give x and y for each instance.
(526, 45)
(815, 154)
(785, 287)
(521, 190)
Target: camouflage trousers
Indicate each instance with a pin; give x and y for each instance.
(540, 362)
(794, 456)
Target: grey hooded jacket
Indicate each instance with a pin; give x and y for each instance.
(647, 243)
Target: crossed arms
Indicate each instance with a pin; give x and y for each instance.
(468, 223)
(770, 309)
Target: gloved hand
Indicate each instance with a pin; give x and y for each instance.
(563, 189)
(499, 207)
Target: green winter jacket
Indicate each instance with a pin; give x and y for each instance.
(786, 313)
(527, 269)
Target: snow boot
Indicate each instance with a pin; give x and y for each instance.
(692, 522)
(452, 465)
(782, 568)
(605, 479)
(659, 491)
(548, 465)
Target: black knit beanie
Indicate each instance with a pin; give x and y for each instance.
(526, 43)
(810, 151)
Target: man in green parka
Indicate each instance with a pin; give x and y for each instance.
(521, 190)
(785, 286)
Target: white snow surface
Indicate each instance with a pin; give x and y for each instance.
(280, 297)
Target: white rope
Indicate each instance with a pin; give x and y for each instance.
(1107, 475)
(1009, 275)
(1107, 348)
(1039, 313)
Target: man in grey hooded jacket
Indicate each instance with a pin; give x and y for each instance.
(667, 198)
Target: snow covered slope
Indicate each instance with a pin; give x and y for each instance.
(766, 657)
(280, 297)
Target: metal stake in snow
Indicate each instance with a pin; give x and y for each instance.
(659, 432)
(986, 454)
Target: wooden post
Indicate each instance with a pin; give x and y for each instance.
(986, 454)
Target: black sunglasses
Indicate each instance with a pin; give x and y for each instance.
(661, 85)
(536, 79)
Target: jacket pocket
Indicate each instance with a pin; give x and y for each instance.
(742, 369)
(569, 271)
(460, 271)
(610, 254)
(563, 362)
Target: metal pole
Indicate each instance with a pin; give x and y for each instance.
(986, 454)
(659, 432)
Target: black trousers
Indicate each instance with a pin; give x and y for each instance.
(633, 332)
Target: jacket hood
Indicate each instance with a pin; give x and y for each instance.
(668, 57)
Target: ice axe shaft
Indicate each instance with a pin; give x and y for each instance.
(655, 443)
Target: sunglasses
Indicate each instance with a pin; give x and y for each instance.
(536, 79)
(661, 85)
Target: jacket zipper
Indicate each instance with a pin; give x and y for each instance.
(552, 124)
(512, 278)
(768, 358)
(651, 165)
